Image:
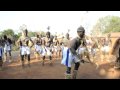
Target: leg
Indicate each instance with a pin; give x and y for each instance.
(25, 56)
(43, 56)
(107, 57)
(117, 63)
(107, 53)
(94, 53)
(43, 60)
(56, 54)
(50, 58)
(75, 70)
(28, 60)
(5, 56)
(53, 54)
(1, 63)
(59, 53)
(102, 53)
(36, 55)
(68, 73)
(102, 56)
(22, 59)
(39, 56)
(10, 56)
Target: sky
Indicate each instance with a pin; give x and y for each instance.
(59, 21)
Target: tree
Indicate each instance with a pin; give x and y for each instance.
(0, 34)
(19, 34)
(31, 34)
(106, 25)
(42, 33)
(16, 36)
(8, 32)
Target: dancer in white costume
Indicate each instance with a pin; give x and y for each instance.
(56, 47)
(24, 42)
(105, 49)
(94, 47)
(7, 48)
(38, 46)
(47, 48)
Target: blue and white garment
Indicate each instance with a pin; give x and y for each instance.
(67, 58)
(1, 51)
(62, 47)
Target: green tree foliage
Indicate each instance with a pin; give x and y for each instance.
(31, 34)
(8, 32)
(19, 34)
(16, 36)
(106, 25)
(43, 33)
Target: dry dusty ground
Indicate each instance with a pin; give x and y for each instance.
(56, 71)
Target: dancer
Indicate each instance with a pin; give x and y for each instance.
(24, 41)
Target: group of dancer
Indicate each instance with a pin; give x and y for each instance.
(43, 46)
(70, 51)
(5, 49)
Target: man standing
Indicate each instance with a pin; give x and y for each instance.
(7, 48)
(24, 41)
(56, 47)
(38, 45)
(69, 53)
(47, 47)
(106, 45)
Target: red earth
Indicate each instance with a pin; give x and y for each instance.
(56, 71)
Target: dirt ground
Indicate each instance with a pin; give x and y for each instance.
(56, 71)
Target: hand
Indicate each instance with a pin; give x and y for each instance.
(82, 61)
